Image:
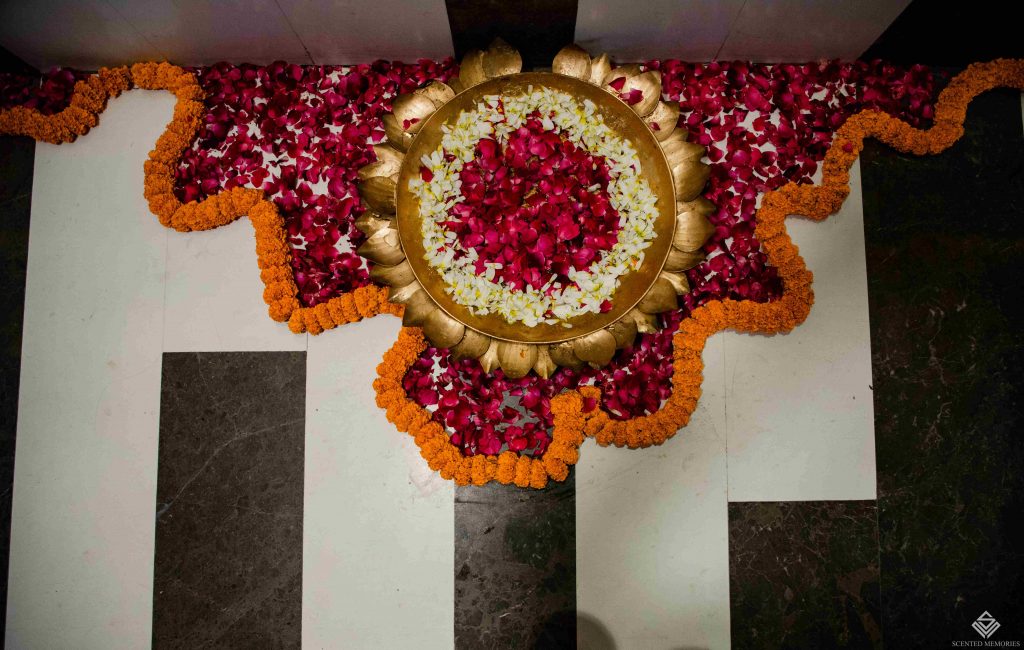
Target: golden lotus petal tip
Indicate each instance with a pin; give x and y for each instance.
(396, 135)
(471, 70)
(437, 92)
(412, 111)
(443, 330)
(501, 59)
(472, 345)
(516, 359)
(572, 60)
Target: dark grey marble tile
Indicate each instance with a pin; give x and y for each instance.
(229, 501)
(948, 33)
(945, 253)
(17, 156)
(14, 65)
(515, 566)
(475, 23)
(804, 574)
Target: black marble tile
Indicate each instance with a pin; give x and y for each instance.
(515, 566)
(950, 33)
(13, 65)
(804, 574)
(229, 501)
(475, 23)
(945, 254)
(17, 156)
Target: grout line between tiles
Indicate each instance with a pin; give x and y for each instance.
(292, 27)
(728, 552)
(735, 19)
(135, 29)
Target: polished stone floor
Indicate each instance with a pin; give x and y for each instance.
(945, 244)
(244, 490)
(16, 156)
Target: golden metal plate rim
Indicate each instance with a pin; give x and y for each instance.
(493, 325)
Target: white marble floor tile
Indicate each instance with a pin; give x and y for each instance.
(205, 31)
(82, 34)
(844, 29)
(693, 30)
(652, 549)
(409, 30)
(378, 547)
(81, 567)
(215, 295)
(800, 416)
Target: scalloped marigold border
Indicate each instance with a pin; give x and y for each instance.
(573, 419)
(273, 253)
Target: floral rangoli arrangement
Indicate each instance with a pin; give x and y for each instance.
(535, 216)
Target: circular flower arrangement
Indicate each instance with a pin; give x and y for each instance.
(541, 222)
(534, 209)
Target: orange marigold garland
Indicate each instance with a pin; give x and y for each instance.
(572, 418)
(815, 202)
(272, 250)
(444, 457)
(273, 254)
(87, 102)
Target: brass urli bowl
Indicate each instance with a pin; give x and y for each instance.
(670, 165)
(625, 123)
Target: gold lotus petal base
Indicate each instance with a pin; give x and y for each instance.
(670, 163)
